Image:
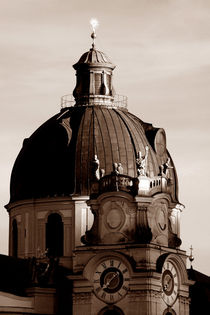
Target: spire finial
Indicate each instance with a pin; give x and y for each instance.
(94, 24)
(191, 258)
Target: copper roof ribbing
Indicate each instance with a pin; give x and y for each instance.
(51, 163)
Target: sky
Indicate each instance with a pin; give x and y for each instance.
(162, 52)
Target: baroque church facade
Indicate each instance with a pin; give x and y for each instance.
(94, 211)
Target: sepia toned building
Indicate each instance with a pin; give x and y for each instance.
(94, 211)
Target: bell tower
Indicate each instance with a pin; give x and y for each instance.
(94, 193)
(131, 261)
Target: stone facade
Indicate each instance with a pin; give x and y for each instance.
(94, 211)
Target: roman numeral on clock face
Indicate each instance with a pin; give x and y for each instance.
(119, 264)
(97, 281)
(98, 272)
(98, 289)
(125, 288)
(103, 265)
(103, 295)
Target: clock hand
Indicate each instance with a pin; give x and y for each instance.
(167, 284)
(108, 282)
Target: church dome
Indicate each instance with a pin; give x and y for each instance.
(58, 158)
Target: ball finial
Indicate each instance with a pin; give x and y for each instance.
(191, 258)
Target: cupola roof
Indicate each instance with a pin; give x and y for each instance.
(94, 57)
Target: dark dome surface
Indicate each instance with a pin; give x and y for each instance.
(57, 159)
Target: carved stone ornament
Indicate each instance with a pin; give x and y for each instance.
(43, 270)
(184, 300)
(114, 218)
(114, 214)
(139, 295)
(82, 298)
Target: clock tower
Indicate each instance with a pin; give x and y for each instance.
(130, 261)
(95, 190)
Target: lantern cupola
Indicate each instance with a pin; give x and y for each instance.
(94, 78)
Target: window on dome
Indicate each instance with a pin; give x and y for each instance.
(54, 235)
(14, 238)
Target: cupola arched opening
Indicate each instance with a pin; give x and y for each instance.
(14, 238)
(54, 235)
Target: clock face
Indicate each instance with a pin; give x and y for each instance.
(111, 280)
(169, 283)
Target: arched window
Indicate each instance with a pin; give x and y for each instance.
(14, 238)
(111, 310)
(54, 235)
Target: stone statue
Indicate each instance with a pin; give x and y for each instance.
(115, 168)
(141, 162)
(96, 170)
(164, 168)
(102, 172)
(120, 168)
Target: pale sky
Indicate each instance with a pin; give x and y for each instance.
(162, 52)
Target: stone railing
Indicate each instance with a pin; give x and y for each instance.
(118, 182)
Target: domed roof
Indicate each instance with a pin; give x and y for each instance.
(94, 57)
(57, 158)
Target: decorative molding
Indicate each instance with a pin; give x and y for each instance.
(66, 213)
(169, 310)
(184, 300)
(18, 218)
(142, 294)
(142, 208)
(114, 216)
(82, 298)
(41, 214)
